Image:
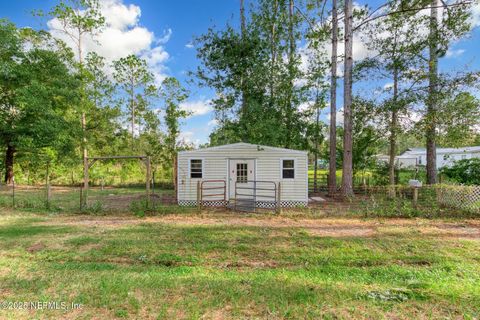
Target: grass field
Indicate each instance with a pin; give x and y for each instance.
(219, 265)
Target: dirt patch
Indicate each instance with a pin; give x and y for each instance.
(325, 227)
(36, 247)
(249, 264)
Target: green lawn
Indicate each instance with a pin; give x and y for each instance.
(236, 266)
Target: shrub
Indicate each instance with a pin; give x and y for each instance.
(139, 208)
(466, 171)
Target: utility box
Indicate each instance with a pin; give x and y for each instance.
(415, 183)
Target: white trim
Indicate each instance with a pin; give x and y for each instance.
(294, 169)
(203, 167)
(306, 164)
(178, 178)
(228, 146)
(227, 180)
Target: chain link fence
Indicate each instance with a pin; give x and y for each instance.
(397, 201)
(405, 201)
(99, 199)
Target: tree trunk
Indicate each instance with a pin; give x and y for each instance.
(83, 121)
(394, 119)
(393, 136)
(9, 158)
(291, 54)
(317, 133)
(242, 17)
(347, 168)
(393, 131)
(432, 97)
(243, 111)
(273, 52)
(85, 156)
(332, 162)
(132, 104)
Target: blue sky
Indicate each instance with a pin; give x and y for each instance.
(161, 32)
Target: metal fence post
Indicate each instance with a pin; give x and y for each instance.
(279, 198)
(199, 205)
(255, 196)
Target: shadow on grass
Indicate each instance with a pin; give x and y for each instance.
(22, 230)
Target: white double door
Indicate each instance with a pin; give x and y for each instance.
(241, 170)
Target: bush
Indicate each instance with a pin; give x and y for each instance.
(466, 171)
(95, 208)
(139, 208)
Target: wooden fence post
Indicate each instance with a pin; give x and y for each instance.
(415, 197)
(81, 197)
(175, 176)
(147, 184)
(49, 195)
(47, 185)
(13, 192)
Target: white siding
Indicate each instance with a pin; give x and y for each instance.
(268, 168)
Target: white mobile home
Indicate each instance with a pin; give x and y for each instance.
(445, 156)
(242, 163)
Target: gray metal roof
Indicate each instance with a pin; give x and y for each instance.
(420, 151)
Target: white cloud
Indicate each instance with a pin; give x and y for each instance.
(166, 36)
(452, 53)
(189, 45)
(187, 137)
(121, 37)
(198, 107)
(120, 16)
(339, 117)
(388, 86)
(475, 19)
(156, 58)
(212, 123)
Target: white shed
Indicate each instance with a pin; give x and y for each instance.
(240, 163)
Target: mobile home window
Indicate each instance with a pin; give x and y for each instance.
(288, 169)
(196, 168)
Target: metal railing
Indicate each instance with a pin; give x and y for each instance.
(212, 199)
(248, 198)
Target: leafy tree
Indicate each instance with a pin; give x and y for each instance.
(174, 94)
(103, 106)
(394, 38)
(458, 119)
(332, 168)
(366, 135)
(79, 19)
(347, 163)
(34, 104)
(466, 171)
(452, 24)
(258, 93)
(137, 82)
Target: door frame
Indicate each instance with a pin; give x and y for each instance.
(228, 171)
